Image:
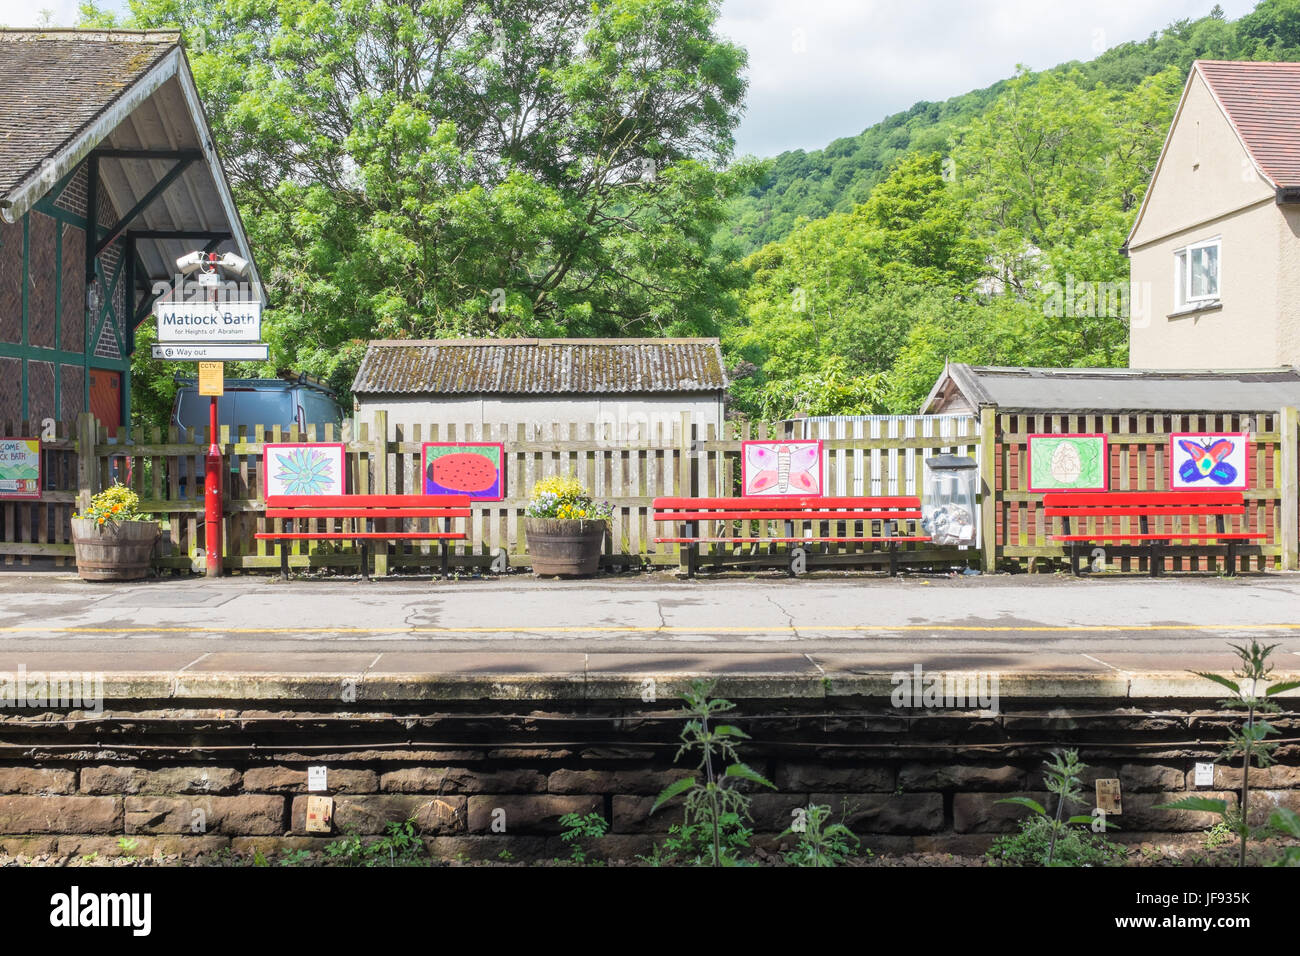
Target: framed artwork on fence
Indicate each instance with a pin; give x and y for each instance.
(781, 468)
(303, 468)
(1068, 463)
(20, 467)
(1213, 461)
(477, 469)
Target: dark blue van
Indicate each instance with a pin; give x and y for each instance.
(250, 402)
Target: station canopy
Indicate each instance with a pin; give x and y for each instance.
(126, 101)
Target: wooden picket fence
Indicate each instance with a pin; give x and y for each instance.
(1139, 461)
(628, 470)
(42, 528)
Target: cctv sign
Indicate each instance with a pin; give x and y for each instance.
(210, 323)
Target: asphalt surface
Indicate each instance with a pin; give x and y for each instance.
(1023, 623)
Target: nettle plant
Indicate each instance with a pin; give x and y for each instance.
(1071, 836)
(1253, 692)
(819, 842)
(715, 809)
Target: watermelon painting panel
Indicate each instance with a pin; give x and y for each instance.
(476, 469)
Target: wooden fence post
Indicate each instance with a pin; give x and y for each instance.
(685, 460)
(988, 490)
(1289, 487)
(87, 466)
(379, 483)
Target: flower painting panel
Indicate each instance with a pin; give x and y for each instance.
(1203, 461)
(303, 469)
(1068, 463)
(476, 469)
(781, 468)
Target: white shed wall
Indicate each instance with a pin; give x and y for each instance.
(630, 417)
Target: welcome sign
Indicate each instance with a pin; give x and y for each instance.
(20, 468)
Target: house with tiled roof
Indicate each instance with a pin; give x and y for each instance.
(1215, 248)
(625, 389)
(108, 174)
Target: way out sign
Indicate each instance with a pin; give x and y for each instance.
(208, 323)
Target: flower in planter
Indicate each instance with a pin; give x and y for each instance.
(118, 503)
(565, 497)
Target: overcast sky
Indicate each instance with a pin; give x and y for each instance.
(821, 69)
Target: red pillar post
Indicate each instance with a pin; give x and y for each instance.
(212, 495)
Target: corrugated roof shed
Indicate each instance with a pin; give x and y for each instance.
(54, 83)
(540, 366)
(1261, 101)
(1118, 390)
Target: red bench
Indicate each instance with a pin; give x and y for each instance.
(362, 511)
(694, 514)
(1154, 511)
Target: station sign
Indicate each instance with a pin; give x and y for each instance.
(210, 323)
(174, 352)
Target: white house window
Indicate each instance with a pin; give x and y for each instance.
(1196, 274)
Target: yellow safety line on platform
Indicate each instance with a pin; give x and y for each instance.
(656, 629)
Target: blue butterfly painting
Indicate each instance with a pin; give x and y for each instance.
(1207, 461)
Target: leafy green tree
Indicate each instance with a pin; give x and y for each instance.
(814, 184)
(828, 308)
(459, 168)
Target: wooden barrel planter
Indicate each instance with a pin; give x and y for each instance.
(567, 547)
(113, 551)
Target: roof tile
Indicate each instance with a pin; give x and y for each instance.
(53, 83)
(1262, 101)
(541, 366)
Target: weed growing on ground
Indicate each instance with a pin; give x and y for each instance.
(399, 846)
(1286, 823)
(1217, 836)
(1048, 839)
(1249, 742)
(578, 829)
(715, 809)
(819, 843)
(1038, 836)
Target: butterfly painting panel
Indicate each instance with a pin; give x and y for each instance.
(1209, 461)
(781, 468)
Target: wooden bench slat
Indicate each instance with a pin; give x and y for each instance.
(368, 501)
(787, 540)
(787, 515)
(1150, 507)
(358, 535)
(787, 502)
(1167, 536)
(1144, 498)
(788, 508)
(376, 514)
(1084, 513)
(292, 508)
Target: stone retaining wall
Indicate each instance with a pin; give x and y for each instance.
(198, 779)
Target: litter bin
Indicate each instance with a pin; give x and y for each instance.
(948, 504)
